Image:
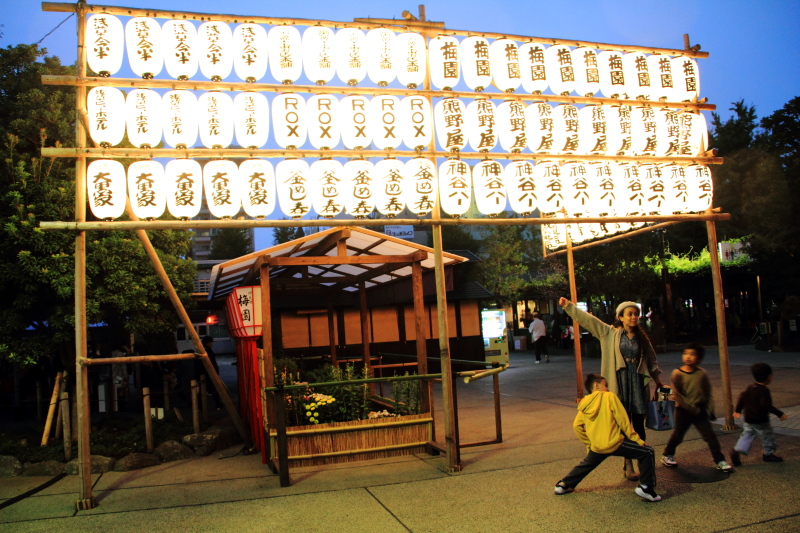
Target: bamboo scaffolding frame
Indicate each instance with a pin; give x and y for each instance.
(135, 359)
(51, 411)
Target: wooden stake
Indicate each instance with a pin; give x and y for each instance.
(204, 398)
(51, 410)
(576, 327)
(195, 413)
(148, 419)
(66, 425)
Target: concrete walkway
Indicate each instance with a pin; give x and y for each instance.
(502, 487)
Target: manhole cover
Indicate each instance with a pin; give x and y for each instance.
(691, 474)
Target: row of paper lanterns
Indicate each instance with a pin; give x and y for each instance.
(386, 122)
(554, 236)
(359, 187)
(383, 56)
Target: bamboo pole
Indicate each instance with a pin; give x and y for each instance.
(576, 327)
(59, 431)
(204, 398)
(51, 410)
(65, 423)
(195, 412)
(135, 359)
(148, 419)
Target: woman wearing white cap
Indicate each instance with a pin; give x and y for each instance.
(627, 361)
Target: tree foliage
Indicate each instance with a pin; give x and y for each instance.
(229, 243)
(503, 269)
(282, 235)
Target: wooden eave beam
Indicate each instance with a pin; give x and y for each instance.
(347, 260)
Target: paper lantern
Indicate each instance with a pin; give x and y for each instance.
(179, 112)
(416, 122)
(686, 77)
(358, 185)
(379, 45)
(602, 188)
(105, 110)
(327, 186)
(693, 134)
(532, 67)
(410, 60)
(521, 187)
(480, 125)
(700, 187)
(179, 39)
(293, 179)
(676, 185)
(587, 72)
(183, 187)
(654, 190)
(222, 186)
(488, 180)
(105, 44)
(289, 120)
(644, 125)
(243, 308)
(322, 124)
(449, 119)
(554, 236)
(143, 118)
(475, 63)
(350, 57)
(618, 129)
(257, 187)
(215, 113)
(638, 80)
(285, 47)
(511, 127)
(389, 187)
(506, 73)
(633, 190)
(143, 41)
(575, 188)
(662, 86)
(546, 178)
(455, 187)
(612, 76)
(443, 55)
(251, 119)
(667, 132)
(249, 51)
(421, 189)
(318, 54)
(146, 189)
(354, 121)
(539, 127)
(215, 50)
(385, 119)
(105, 185)
(592, 130)
(560, 70)
(566, 129)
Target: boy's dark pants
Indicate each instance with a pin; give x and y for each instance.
(628, 449)
(683, 421)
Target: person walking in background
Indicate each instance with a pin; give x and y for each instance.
(208, 342)
(756, 402)
(539, 336)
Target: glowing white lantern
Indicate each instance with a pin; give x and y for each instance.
(539, 127)
(143, 118)
(389, 186)
(566, 129)
(293, 181)
(215, 50)
(215, 113)
(655, 193)
(105, 184)
(644, 138)
(251, 119)
(449, 119)
(480, 125)
(587, 72)
(612, 75)
(285, 47)
(146, 189)
(379, 44)
(575, 187)
(257, 187)
(693, 134)
(505, 65)
(554, 236)
(686, 77)
(532, 67)
(592, 129)
(105, 109)
(560, 70)
(416, 122)
(179, 112)
(143, 41)
(475, 63)
(327, 187)
(183, 187)
(354, 125)
(602, 188)
(662, 86)
(443, 55)
(638, 80)
(318, 54)
(490, 187)
(618, 129)
(521, 187)
(546, 178)
(249, 50)
(421, 188)
(455, 187)
(511, 127)
(222, 186)
(105, 44)
(322, 124)
(633, 191)
(700, 187)
(410, 59)
(289, 120)
(179, 39)
(677, 189)
(385, 118)
(358, 184)
(667, 132)
(350, 57)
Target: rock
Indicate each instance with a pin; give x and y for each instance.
(212, 439)
(100, 465)
(10, 466)
(204, 450)
(173, 451)
(200, 440)
(45, 468)
(227, 436)
(135, 461)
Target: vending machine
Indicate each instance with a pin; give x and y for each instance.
(495, 339)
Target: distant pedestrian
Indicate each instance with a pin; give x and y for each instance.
(208, 342)
(539, 335)
(756, 402)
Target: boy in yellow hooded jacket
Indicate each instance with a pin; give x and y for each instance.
(604, 427)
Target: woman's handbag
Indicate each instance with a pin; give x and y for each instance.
(661, 411)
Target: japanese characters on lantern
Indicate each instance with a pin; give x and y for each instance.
(289, 120)
(106, 184)
(143, 117)
(358, 184)
(183, 187)
(350, 58)
(322, 121)
(215, 43)
(532, 67)
(250, 55)
(506, 74)
(179, 112)
(521, 187)
(318, 54)
(488, 180)
(285, 54)
(214, 112)
(105, 109)
(455, 187)
(143, 42)
(480, 125)
(421, 188)
(327, 178)
(443, 54)
(146, 189)
(379, 44)
(410, 59)
(293, 181)
(105, 44)
(257, 187)
(475, 63)
(251, 119)
(416, 122)
(389, 185)
(449, 118)
(181, 50)
(222, 187)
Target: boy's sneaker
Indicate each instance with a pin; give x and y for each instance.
(648, 493)
(725, 467)
(561, 488)
(736, 459)
(669, 460)
(772, 458)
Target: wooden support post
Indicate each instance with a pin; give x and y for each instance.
(426, 387)
(331, 329)
(204, 398)
(51, 410)
(195, 412)
(498, 422)
(266, 368)
(576, 327)
(66, 425)
(165, 388)
(364, 315)
(148, 419)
